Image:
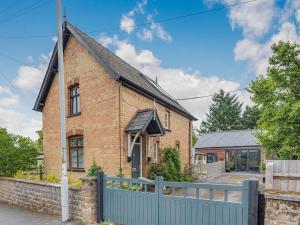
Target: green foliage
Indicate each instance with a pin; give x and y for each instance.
(169, 167)
(129, 186)
(16, 153)
(187, 175)
(250, 117)
(41, 170)
(278, 98)
(224, 114)
(194, 138)
(172, 164)
(262, 166)
(156, 169)
(229, 165)
(106, 223)
(120, 174)
(39, 141)
(93, 170)
(51, 178)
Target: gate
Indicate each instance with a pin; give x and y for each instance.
(158, 202)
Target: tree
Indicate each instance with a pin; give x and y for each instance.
(16, 153)
(39, 141)
(250, 117)
(224, 113)
(278, 98)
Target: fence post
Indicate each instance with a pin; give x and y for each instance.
(100, 196)
(159, 192)
(250, 201)
(269, 174)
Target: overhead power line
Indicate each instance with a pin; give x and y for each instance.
(25, 10)
(137, 25)
(207, 96)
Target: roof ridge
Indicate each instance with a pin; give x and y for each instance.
(123, 61)
(227, 131)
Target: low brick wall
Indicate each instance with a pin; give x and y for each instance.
(278, 209)
(45, 197)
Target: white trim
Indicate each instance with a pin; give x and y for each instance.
(131, 145)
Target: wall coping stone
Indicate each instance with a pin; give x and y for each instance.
(41, 183)
(284, 197)
(88, 178)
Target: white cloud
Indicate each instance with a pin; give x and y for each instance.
(178, 82)
(254, 18)
(7, 97)
(19, 123)
(257, 54)
(127, 24)
(54, 39)
(154, 29)
(30, 78)
(12, 117)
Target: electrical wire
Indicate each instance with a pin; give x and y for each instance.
(135, 26)
(207, 96)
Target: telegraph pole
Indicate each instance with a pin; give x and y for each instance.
(64, 173)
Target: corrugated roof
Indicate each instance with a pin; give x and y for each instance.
(236, 138)
(117, 68)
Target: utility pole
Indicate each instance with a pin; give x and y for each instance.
(64, 173)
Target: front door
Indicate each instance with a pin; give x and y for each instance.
(136, 160)
(242, 160)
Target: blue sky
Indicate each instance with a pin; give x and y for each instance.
(193, 56)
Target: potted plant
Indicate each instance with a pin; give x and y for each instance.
(229, 166)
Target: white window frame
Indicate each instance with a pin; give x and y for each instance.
(167, 119)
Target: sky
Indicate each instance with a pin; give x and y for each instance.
(223, 45)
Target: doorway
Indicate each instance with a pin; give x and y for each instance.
(245, 160)
(136, 168)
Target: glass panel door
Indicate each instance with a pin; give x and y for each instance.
(242, 160)
(254, 159)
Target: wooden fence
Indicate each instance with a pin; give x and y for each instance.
(283, 175)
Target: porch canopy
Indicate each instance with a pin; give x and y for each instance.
(144, 122)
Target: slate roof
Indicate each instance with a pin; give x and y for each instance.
(146, 120)
(236, 138)
(115, 66)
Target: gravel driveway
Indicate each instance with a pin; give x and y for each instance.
(11, 215)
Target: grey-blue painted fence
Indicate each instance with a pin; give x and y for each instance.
(158, 202)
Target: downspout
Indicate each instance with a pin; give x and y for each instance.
(120, 127)
(190, 142)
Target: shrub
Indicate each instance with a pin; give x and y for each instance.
(51, 178)
(93, 170)
(77, 183)
(156, 170)
(229, 165)
(187, 175)
(172, 164)
(262, 166)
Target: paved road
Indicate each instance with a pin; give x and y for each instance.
(10, 215)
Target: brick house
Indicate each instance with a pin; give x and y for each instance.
(116, 116)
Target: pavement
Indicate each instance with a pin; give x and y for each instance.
(11, 215)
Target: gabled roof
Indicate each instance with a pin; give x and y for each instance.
(146, 120)
(225, 139)
(115, 66)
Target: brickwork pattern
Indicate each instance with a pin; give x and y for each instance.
(106, 109)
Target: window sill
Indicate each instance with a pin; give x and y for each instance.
(76, 170)
(72, 115)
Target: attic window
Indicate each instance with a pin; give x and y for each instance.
(74, 100)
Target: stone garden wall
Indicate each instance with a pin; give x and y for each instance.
(45, 197)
